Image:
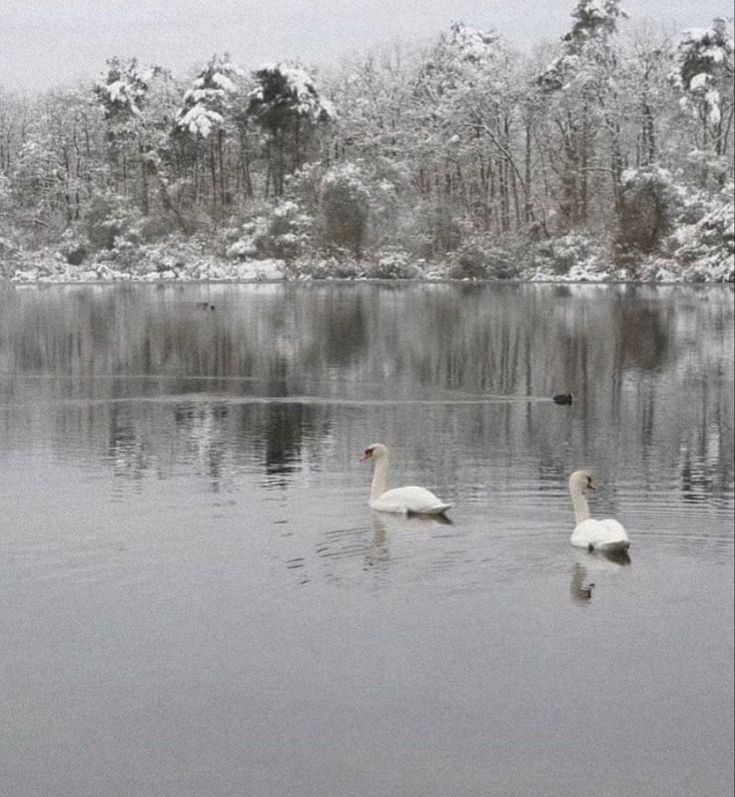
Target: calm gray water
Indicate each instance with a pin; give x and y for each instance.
(195, 600)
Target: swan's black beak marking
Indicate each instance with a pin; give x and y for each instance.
(367, 454)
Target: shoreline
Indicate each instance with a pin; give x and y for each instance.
(377, 281)
(216, 271)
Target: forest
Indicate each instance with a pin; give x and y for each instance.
(605, 155)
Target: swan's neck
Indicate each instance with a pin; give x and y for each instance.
(380, 477)
(581, 507)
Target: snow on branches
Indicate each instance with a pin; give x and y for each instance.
(704, 71)
(282, 89)
(204, 104)
(585, 44)
(123, 86)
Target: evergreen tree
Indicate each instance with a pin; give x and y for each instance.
(704, 75)
(205, 116)
(286, 105)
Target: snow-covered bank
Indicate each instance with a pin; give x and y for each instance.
(654, 270)
(50, 270)
(569, 259)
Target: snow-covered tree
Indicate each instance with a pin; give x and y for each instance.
(588, 43)
(207, 103)
(205, 116)
(13, 114)
(704, 75)
(344, 207)
(56, 167)
(649, 202)
(583, 84)
(124, 92)
(647, 101)
(286, 105)
(122, 88)
(475, 118)
(36, 182)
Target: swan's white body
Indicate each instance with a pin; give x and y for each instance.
(595, 535)
(411, 500)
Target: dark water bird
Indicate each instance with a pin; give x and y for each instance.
(205, 306)
(563, 398)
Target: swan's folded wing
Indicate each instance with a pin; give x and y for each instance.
(411, 499)
(607, 535)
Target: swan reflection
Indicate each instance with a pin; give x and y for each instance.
(580, 591)
(386, 524)
(592, 564)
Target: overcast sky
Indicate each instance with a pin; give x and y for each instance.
(44, 43)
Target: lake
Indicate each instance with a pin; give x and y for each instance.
(196, 599)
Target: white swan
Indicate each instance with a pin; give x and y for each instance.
(595, 535)
(406, 500)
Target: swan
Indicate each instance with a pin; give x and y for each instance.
(595, 535)
(410, 500)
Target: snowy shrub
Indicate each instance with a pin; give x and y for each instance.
(8, 254)
(6, 203)
(438, 231)
(287, 232)
(324, 268)
(283, 232)
(125, 254)
(561, 254)
(706, 169)
(393, 264)
(73, 247)
(6, 247)
(344, 207)
(242, 243)
(390, 215)
(151, 228)
(243, 249)
(648, 203)
(704, 247)
(470, 263)
(484, 259)
(303, 187)
(107, 218)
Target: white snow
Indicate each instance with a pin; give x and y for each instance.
(200, 121)
(224, 82)
(699, 81)
(199, 269)
(302, 89)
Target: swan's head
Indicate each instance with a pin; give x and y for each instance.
(582, 481)
(374, 451)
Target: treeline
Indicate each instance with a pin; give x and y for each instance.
(457, 149)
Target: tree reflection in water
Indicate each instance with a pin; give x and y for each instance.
(651, 370)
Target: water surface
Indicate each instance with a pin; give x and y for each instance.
(196, 600)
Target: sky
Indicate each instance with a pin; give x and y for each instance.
(48, 43)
